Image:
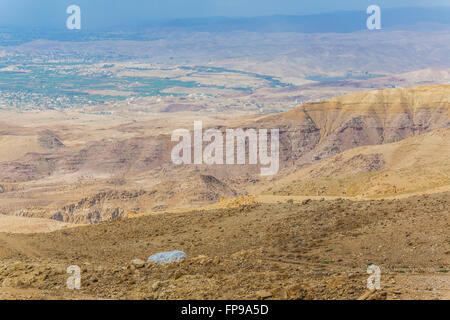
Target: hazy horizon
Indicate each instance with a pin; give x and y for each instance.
(104, 14)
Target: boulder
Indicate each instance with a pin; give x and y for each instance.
(138, 263)
(167, 257)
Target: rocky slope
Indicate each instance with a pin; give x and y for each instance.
(418, 164)
(59, 174)
(285, 250)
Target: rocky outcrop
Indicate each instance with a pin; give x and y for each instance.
(114, 204)
(32, 166)
(103, 206)
(49, 140)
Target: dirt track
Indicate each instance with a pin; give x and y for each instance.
(308, 250)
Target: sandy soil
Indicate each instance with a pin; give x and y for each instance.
(12, 224)
(316, 249)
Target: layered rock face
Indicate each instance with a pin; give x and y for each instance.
(316, 131)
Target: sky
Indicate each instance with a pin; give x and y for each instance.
(104, 13)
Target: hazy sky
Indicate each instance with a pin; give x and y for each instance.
(121, 12)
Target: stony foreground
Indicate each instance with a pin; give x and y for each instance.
(286, 250)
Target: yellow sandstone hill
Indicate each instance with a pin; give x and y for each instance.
(316, 131)
(383, 105)
(420, 164)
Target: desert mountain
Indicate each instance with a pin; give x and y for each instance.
(316, 131)
(109, 173)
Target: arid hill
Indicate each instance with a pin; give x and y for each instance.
(364, 180)
(419, 164)
(77, 170)
(316, 131)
